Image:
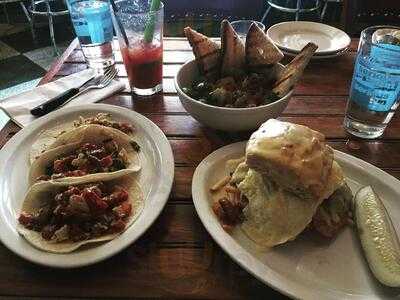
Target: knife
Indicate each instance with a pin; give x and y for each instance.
(59, 100)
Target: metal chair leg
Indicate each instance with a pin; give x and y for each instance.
(298, 6)
(324, 10)
(6, 13)
(51, 28)
(32, 20)
(26, 12)
(266, 13)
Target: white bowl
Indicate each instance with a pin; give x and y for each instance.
(223, 118)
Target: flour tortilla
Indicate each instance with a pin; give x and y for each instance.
(64, 133)
(46, 138)
(71, 140)
(40, 193)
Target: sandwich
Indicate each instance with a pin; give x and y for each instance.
(288, 181)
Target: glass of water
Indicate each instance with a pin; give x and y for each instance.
(93, 27)
(375, 88)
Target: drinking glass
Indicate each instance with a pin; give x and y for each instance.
(93, 26)
(140, 36)
(375, 88)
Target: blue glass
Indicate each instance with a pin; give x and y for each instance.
(376, 82)
(91, 20)
(375, 87)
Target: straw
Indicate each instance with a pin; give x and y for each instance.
(149, 30)
(121, 28)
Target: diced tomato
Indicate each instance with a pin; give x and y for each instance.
(117, 197)
(26, 220)
(72, 190)
(59, 166)
(123, 195)
(123, 210)
(95, 203)
(125, 127)
(117, 226)
(106, 162)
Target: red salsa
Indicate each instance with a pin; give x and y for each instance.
(81, 212)
(88, 159)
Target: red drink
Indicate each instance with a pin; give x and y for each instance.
(143, 63)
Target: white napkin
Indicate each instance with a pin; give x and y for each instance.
(19, 106)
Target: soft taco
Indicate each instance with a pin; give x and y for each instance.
(60, 217)
(46, 139)
(91, 151)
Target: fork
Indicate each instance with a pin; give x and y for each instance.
(97, 82)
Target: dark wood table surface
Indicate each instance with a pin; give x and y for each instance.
(177, 258)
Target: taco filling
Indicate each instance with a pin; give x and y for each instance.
(80, 213)
(89, 158)
(104, 119)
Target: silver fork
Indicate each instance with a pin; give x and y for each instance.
(97, 82)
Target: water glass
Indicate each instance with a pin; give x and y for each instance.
(93, 26)
(375, 87)
(140, 36)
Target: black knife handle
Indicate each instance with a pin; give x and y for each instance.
(53, 103)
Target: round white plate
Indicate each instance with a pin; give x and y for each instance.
(308, 267)
(293, 36)
(155, 179)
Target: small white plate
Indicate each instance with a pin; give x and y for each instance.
(293, 36)
(306, 268)
(155, 179)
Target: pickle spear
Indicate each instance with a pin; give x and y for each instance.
(378, 237)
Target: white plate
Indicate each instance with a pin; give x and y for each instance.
(155, 178)
(306, 268)
(293, 36)
(317, 56)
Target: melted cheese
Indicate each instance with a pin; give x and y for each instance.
(294, 156)
(273, 215)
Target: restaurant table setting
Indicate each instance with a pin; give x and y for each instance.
(19, 106)
(216, 168)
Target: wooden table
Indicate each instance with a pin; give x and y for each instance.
(177, 258)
